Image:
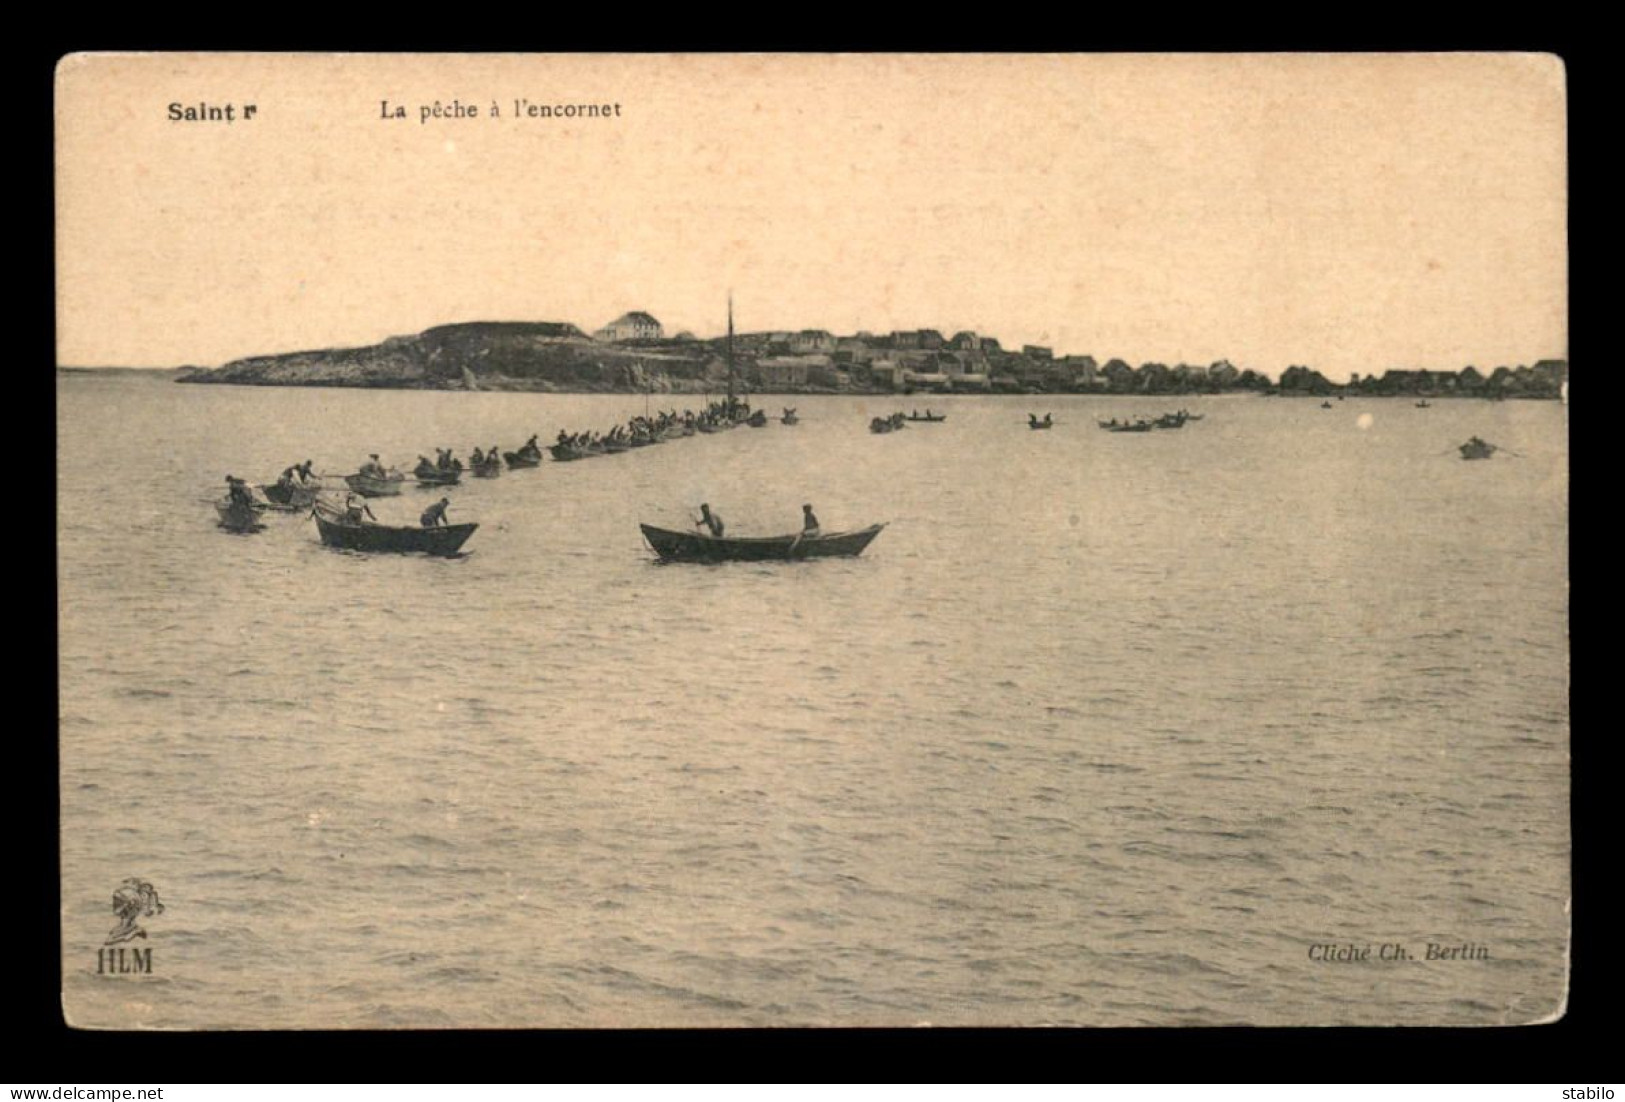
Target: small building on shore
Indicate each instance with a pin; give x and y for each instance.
(633, 326)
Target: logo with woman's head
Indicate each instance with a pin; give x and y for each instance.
(134, 900)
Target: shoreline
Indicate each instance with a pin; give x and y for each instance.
(505, 385)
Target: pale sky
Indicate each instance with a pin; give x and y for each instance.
(1348, 212)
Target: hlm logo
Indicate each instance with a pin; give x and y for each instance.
(134, 900)
(123, 962)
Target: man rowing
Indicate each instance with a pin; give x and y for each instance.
(238, 490)
(435, 515)
(372, 468)
(355, 508)
(809, 523)
(710, 520)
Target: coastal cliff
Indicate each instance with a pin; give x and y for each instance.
(541, 356)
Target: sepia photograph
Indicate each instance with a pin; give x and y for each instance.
(812, 540)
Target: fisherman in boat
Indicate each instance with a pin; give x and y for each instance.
(435, 515)
(355, 507)
(709, 520)
(238, 491)
(373, 468)
(478, 458)
(424, 466)
(304, 472)
(287, 481)
(531, 446)
(809, 523)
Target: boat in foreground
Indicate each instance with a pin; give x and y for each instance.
(337, 531)
(697, 547)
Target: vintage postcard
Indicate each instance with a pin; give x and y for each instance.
(812, 540)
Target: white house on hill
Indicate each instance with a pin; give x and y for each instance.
(635, 326)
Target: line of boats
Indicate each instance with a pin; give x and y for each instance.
(1175, 420)
(350, 526)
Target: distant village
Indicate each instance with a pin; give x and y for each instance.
(634, 353)
(968, 362)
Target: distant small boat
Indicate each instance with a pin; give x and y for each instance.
(1126, 426)
(1478, 449)
(1325, 405)
(616, 447)
(490, 468)
(757, 420)
(437, 476)
(522, 458)
(337, 531)
(1035, 423)
(928, 417)
(673, 546)
(1424, 404)
(789, 418)
(238, 517)
(880, 424)
(371, 486)
(565, 453)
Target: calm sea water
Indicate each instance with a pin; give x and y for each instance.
(1103, 729)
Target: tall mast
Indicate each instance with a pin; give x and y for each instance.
(730, 349)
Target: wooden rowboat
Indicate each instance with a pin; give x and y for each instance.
(698, 547)
(237, 517)
(368, 486)
(522, 459)
(491, 468)
(336, 531)
(437, 477)
(290, 497)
